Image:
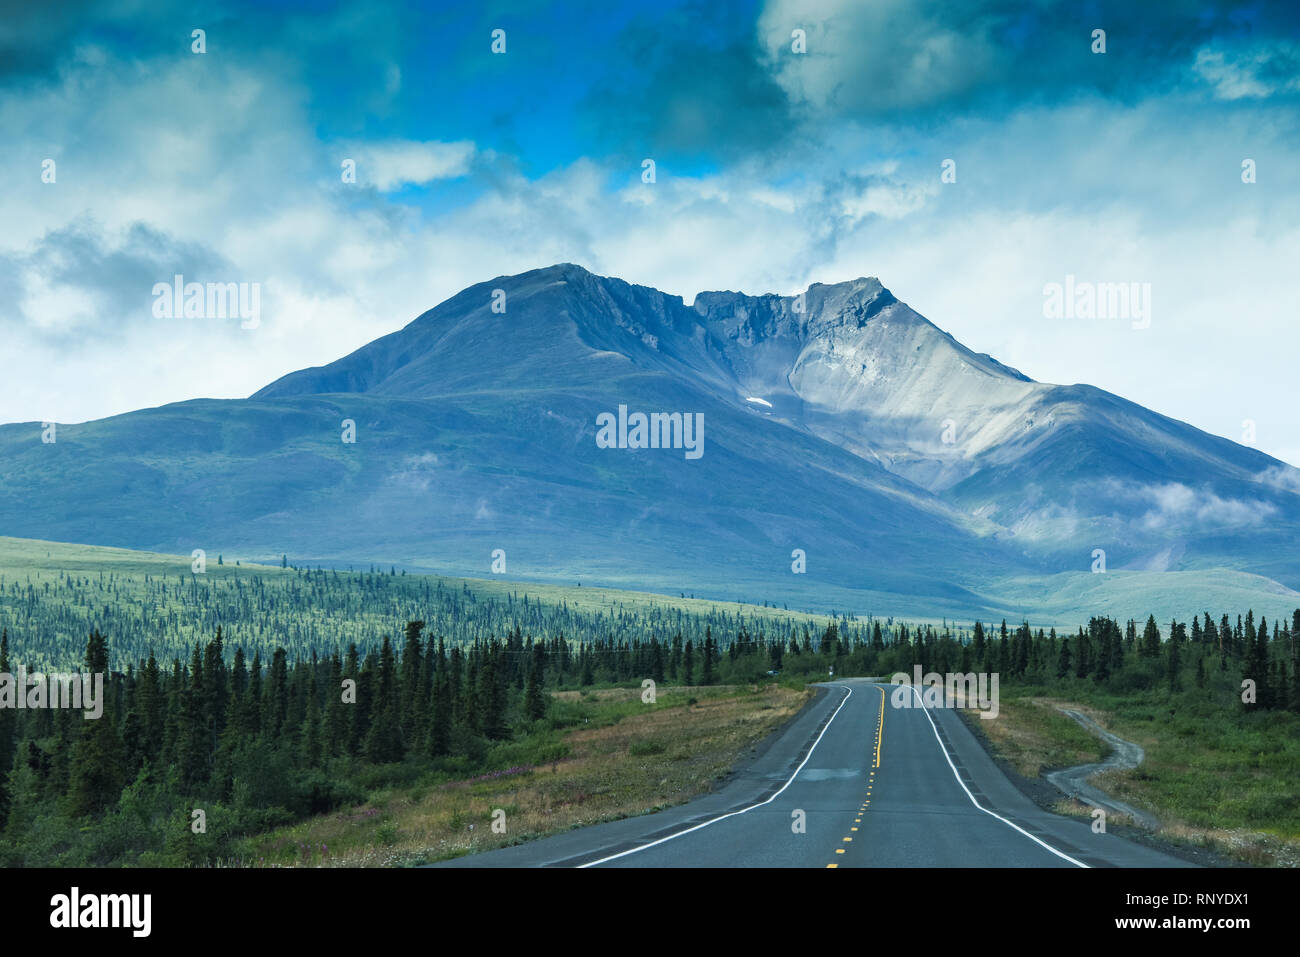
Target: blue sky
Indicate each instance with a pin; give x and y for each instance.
(774, 169)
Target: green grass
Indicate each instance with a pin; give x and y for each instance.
(1033, 737)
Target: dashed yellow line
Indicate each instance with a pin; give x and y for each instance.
(880, 737)
(880, 728)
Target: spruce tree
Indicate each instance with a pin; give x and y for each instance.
(8, 725)
(409, 706)
(192, 740)
(253, 699)
(276, 708)
(367, 702)
(491, 696)
(1150, 647)
(336, 718)
(656, 661)
(383, 739)
(1260, 664)
(96, 775)
(440, 723)
(311, 732)
(1175, 655)
(1082, 655)
(534, 693)
(979, 647)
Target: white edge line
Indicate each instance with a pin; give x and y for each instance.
(1011, 824)
(723, 817)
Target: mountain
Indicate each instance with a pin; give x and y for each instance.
(1058, 470)
(917, 476)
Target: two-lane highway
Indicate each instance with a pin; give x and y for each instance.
(853, 782)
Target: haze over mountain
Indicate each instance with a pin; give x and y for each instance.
(917, 475)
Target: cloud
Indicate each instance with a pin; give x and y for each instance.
(393, 164)
(856, 197)
(930, 58)
(33, 37)
(80, 281)
(417, 472)
(870, 59)
(1178, 503)
(1283, 477)
(1255, 71)
(688, 82)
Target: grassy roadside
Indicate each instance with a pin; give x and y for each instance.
(1223, 782)
(1033, 737)
(617, 757)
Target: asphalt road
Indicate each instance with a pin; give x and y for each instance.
(872, 786)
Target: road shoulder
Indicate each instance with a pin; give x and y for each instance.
(764, 769)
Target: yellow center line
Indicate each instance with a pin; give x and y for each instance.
(880, 729)
(880, 736)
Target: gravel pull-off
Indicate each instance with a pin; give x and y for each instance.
(1073, 781)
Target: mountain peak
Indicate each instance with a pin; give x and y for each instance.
(564, 270)
(557, 272)
(863, 284)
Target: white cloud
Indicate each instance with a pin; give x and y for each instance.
(1284, 477)
(888, 200)
(1175, 503)
(393, 164)
(417, 472)
(1250, 72)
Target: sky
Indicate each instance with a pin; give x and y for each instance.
(792, 143)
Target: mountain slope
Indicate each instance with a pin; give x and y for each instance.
(840, 422)
(1060, 469)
